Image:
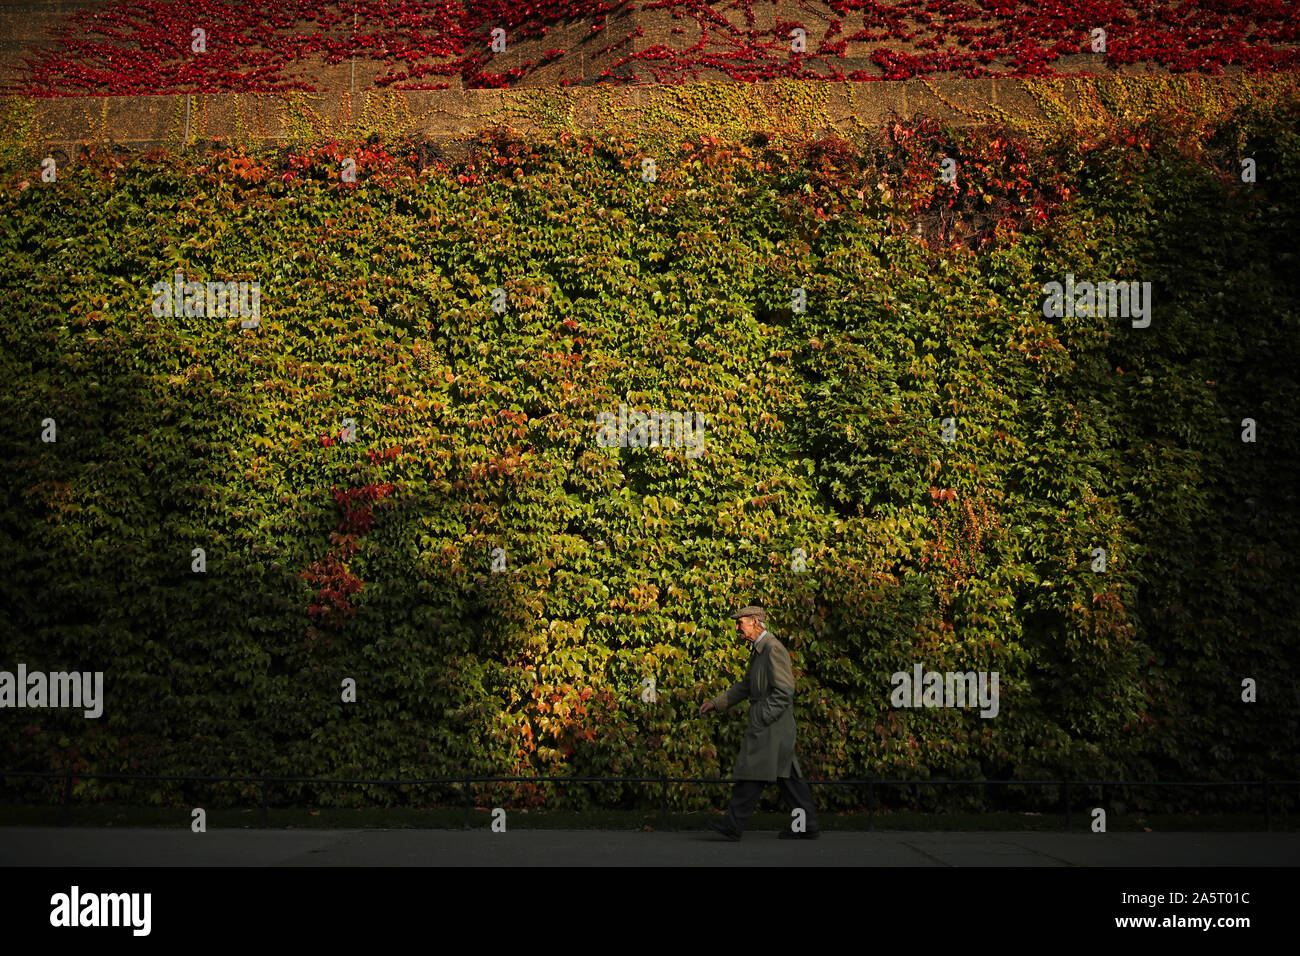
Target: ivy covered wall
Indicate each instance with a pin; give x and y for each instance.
(354, 463)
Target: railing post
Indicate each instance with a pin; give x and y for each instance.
(1068, 815)
(871, 806)
(465, 790)
(65, 813)
(264, 811)
(663, 803)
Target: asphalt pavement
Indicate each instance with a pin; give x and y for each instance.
(127, 847)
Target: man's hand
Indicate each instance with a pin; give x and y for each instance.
(706, 707)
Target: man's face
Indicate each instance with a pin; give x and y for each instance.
(749, 628)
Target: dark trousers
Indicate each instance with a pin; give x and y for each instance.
(795, 792)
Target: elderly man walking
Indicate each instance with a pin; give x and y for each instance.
(768, 751)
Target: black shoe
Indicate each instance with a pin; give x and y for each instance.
(717, 826)
(791, 835)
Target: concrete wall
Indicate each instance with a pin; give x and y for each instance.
(726, 110)
(354, 107)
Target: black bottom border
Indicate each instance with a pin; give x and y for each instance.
(907, 904)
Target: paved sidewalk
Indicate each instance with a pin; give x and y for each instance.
(112, 847)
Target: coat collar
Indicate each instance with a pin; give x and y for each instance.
(761, 643)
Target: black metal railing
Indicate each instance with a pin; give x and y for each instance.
(871, 786)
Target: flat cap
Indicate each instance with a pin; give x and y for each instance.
(752, 611)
